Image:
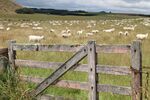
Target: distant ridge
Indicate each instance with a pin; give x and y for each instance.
(8, 7)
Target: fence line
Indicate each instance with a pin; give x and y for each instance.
(105, 69)
(73, 64)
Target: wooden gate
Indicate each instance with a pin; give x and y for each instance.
(92, 68)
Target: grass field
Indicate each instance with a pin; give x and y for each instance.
(74, 24)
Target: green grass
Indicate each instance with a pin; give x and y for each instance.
(82, 77)
(42, 17)
(21, 36)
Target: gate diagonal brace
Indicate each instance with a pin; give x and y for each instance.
(76, 58)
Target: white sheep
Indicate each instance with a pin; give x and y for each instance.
(35, 38)
(37, 28)
(52, 30)
(126, 33)
(120, 33)
(142, 36)
(66, 35)
(129, 28)
(1, 27)
(68, 30)
(109, 30)
(8, 28)
(89, 34)
(89, 26)
(95, 31)
(80, 32)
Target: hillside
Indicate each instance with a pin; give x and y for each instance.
(8, 6)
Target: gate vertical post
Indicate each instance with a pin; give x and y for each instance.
(92, 60)
(11, 53)
(136, 61)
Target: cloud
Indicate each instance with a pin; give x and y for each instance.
(136, 6)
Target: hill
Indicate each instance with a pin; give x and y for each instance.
(8, 6)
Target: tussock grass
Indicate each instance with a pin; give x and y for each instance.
(11, 88)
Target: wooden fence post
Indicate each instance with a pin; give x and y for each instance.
(93, 94)
(11, 53)
(136, 60)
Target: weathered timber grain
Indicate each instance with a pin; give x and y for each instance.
(136, 61)
(36, 47)
(114, 89)
(93, 94)
(105, 69)
(4, 52)
(60, 71)
(51, 97)
(11, 53)
(71, 48)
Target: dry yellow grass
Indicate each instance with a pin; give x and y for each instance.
(21, 36)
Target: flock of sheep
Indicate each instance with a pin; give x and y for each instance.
(85, 28)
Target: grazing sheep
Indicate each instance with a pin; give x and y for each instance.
(1, 27)
(52, 30)
(95, 31)
(35, 38)
(24, 25)
(80, 32)
(129, 28)
(120, 33)
(37, 28)
(8, 28)
(66, 35)
(142, 36)
(68, 31)
(89, 34)
(109, 30)
(89, 26)
(126, 33)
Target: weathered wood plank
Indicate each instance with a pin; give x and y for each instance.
(105, 69)
(113, 48)
(38, 64)
(93, 94)
(36, 47)
(51, 97)
(4, 52)
(60, 71)
(114, 70)
(11, 53)
(114, 89)
(59, 83)
(136, 61)
(82, 85)
(71, 48)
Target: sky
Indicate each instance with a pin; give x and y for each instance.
(121, 6)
